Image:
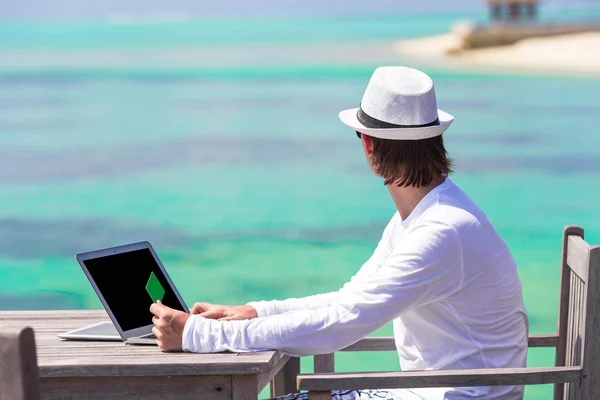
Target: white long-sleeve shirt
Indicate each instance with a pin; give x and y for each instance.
(443, 276)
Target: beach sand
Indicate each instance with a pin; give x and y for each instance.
(563, 55)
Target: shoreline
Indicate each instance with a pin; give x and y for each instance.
(567, 55)
(564, 56)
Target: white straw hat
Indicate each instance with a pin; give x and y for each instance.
(399, 103)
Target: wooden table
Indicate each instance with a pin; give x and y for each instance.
(113, 370)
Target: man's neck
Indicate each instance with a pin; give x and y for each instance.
(407, 198)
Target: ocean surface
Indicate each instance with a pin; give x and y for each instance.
(218, 141)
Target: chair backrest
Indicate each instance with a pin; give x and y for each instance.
(19, 378)
(578, 312)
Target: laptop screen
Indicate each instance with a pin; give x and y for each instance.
(130, 282)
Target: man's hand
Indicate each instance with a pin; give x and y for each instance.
(168, 326)
(224, 313)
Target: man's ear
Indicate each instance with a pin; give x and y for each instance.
(367, 143)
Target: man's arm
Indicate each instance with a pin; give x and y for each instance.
(369, 268)
(277, 307)
(274, 307)
(428, 267)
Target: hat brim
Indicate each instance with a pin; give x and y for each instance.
(349, 118)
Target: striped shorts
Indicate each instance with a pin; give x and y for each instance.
(345, 395)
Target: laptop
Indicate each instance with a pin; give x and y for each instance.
(127, 279)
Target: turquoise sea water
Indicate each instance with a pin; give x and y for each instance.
(218, 141)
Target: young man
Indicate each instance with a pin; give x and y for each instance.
(441, 273)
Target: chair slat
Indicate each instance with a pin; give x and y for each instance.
(543, 340)
(449, 378)
(373, 344)
(569, 330)
(19, 377)
(590, 387)
(564, 305)
(581, 310)
(387, 343)
(577, 256)
(577, 310)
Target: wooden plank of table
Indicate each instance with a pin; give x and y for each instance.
(59, 358)
(244, 387)
(214, 387)
(53, 314)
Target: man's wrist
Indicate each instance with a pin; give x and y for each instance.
(181, 321)
(259, 310)
(250, 312)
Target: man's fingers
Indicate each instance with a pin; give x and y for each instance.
(161, 305)
(161, 323)
(155, 319)
(165, 309)
(157, 309)
(212, 314)
(200, 308)
(227, 319)
(195, 309)
(157, 333)
(154, 309)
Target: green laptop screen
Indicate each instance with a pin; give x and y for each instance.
(130, 282)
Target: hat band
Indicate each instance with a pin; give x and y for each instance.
(375, 123)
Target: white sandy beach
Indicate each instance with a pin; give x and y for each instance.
(564, 55)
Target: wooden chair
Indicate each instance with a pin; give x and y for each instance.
(19, 378)
(577, 371)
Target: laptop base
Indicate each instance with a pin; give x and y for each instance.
(139, 341)
(102, 332)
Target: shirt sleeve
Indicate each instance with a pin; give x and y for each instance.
(425, 268)
(276, 307)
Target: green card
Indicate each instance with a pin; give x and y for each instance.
(154, 288)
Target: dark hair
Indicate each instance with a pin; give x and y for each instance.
(410, 162)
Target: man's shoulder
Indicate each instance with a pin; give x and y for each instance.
(451, 215)
(456, 208)
(461, 223)
(433, 231)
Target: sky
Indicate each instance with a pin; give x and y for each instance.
(105, 9)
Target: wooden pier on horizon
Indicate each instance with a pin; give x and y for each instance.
(512, 21)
